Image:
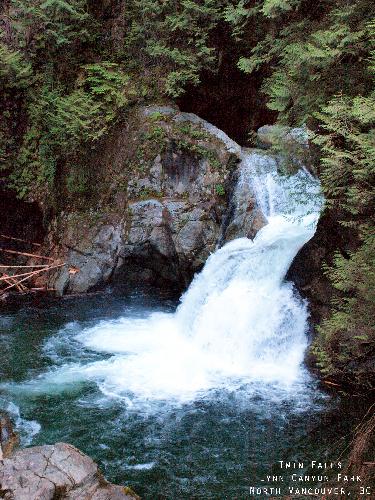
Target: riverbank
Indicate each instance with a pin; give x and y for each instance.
(50, 472)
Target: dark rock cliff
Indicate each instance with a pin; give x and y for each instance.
(307, 269)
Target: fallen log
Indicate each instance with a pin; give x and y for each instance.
(25, 254)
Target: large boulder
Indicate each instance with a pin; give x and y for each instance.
(56, 471)
(162, 186)
(269, 136)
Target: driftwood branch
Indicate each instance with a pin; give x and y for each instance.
(4, 266)
(10, 281)
(15, 252)
(30, 275)
(42, 289)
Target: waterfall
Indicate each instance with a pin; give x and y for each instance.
(238, 323)
(238, 310)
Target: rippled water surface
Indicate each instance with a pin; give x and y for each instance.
(214, 445)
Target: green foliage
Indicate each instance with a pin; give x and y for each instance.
(174, 37)
(61, 124)
(237, 15)
(156, 134)
(15, 72)
(47, 26)
(348, 177)
(219, 189)
(320, 66)
(107, 84)
(349, 154)
(77, 182)
(156, 116)
(347, 338)
(59, 56)
(198, 150)
(68, 72)
(310, 59)
(192, 131)
(272, 8)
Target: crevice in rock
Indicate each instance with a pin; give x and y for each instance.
(19, 219)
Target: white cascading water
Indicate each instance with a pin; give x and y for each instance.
(238, 322)
(238, 310)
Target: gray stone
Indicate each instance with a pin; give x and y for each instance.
(55, 471)
(161, 240)
(90, 260)
(269, 135)
(190, 238)
(164, 110)
(231, 145)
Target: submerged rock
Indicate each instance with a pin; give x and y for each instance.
(56, 471)
(8, 438)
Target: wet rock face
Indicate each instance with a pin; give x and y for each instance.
(168, 241)
(243, 218)
(91, 257)
(163, 203)
(55, 471)
(307, 270)
(8, 438)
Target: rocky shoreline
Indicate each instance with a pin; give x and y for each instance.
(51, 472)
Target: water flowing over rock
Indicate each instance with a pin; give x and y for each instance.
(169, 356)
(55, 471)
(187, 193)
(239, 328)
(244, 216)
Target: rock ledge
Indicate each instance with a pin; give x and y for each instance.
(58, 471)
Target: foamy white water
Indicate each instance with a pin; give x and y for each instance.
(238, 322)
(27, 429)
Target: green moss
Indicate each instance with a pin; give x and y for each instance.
(219, 189)
(192, 131)
(147, 193)
(156, 116)
(199, 151)
(77, 182)
(156, 134)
